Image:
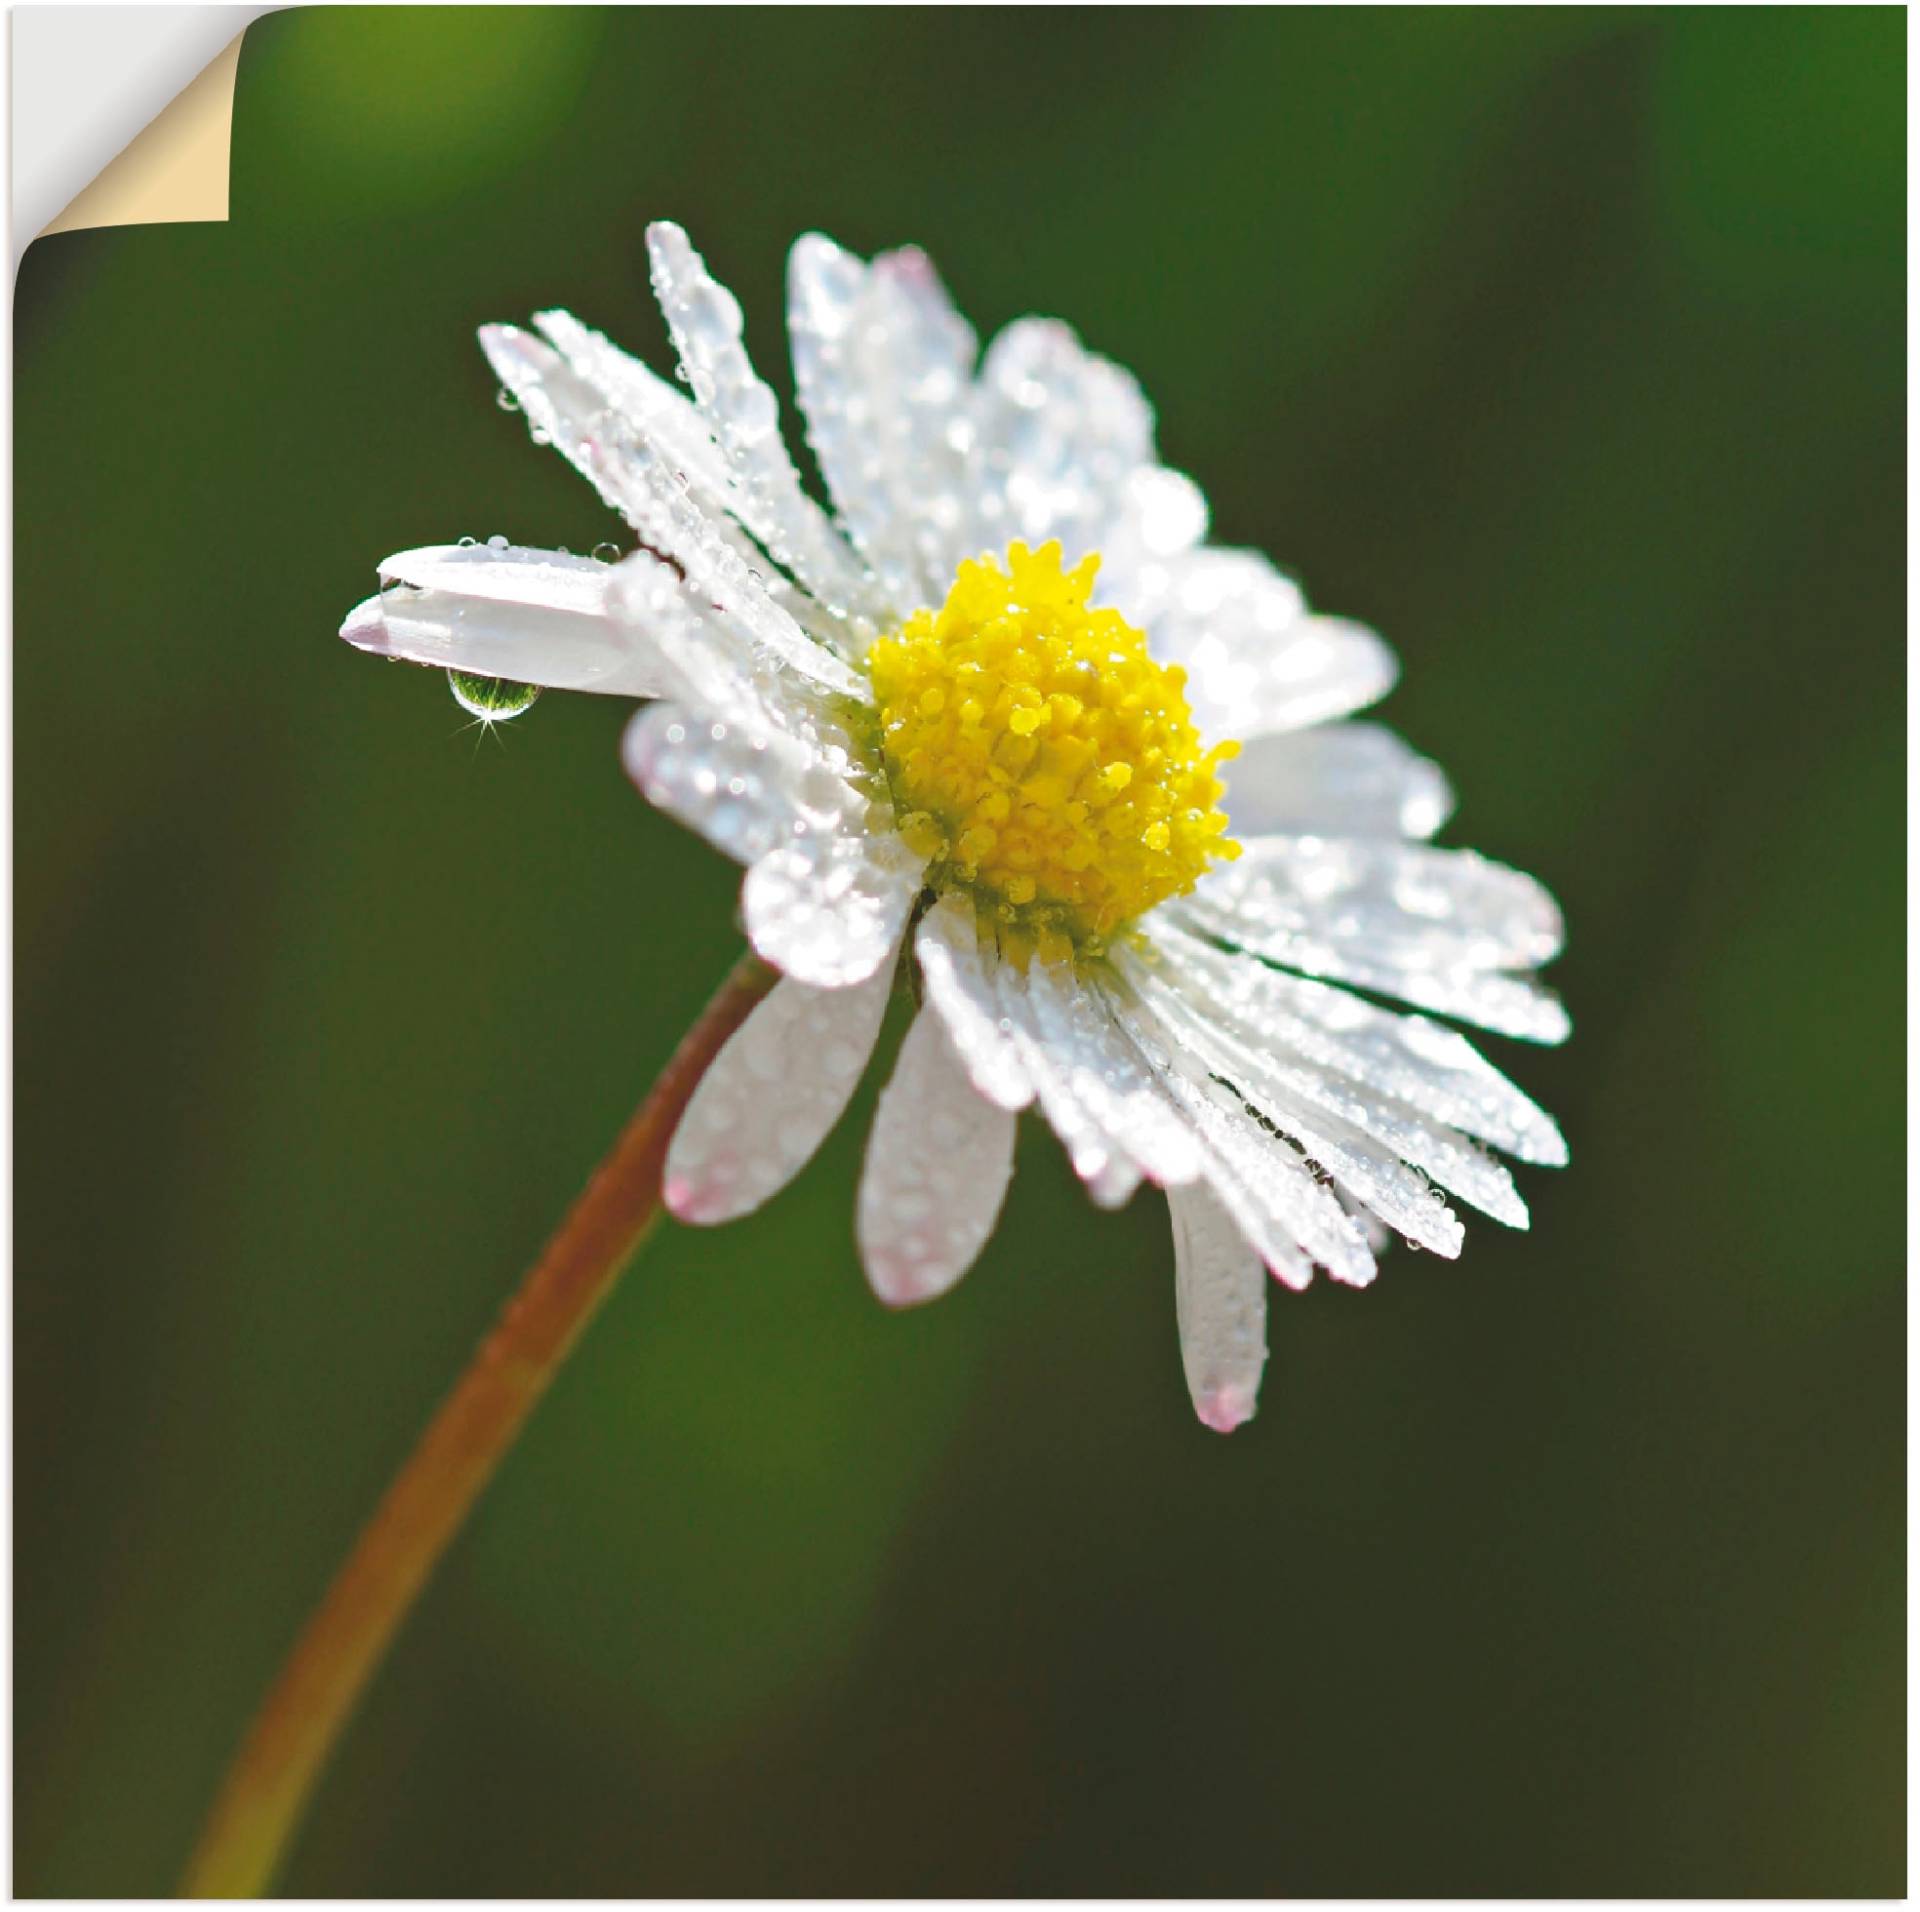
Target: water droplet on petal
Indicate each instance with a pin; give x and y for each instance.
(491, 699)
(607, 551)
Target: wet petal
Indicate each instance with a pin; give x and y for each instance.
(1103, 1072)
(1291, 1219)
(830, 909)
(1294, 1101)
(1256, 658)
(639, 481)
(647, 402)
(512, 611)
(711, 665)
(1434, 927)
(770, 1098)
(1405, 1060)
(882, 364)
(1060, 434)
(960, 984)
(1348, 780)
(1163, 516)
(1075, 1102)
(1404, 902)
(1220, 1292)
(744, 415)
(745, 787)
(938, 1163)
(1335, 1122)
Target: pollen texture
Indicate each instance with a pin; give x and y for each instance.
(1042, 759)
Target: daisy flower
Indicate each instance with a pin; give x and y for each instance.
(1003, 717)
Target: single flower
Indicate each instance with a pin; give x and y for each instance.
(1005, 705)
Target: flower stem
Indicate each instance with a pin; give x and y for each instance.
(274, 1771)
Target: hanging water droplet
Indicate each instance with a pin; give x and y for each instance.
(491, 699)
(506, 400)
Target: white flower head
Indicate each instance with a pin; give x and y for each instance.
(1004, 705)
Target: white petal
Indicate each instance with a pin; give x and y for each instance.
(1163, 515)
(708, 333)
(646, 401)
(709, 664)
(960, 985)
(654, 410)
(938, 1163)
(745, 787)
(502, 573)
(1435, 1150)
(1102, 1070)
(882, 364)
(1405, 902)
(633, 475)
(915, 356)
(1400, 1195)
(1077, 1104)
(1309, 1103)
(1379, 1235)
(707, 661)
(1295, 1103)
(537, 617)
(1061, 432)
(1433, 927)
(1346, 780)
(769, 1099)
(1290, 1218)
(1442, 1153)
(1256, 659)
(561, 408)
(830, 909)
(1405, 1059)
(1508, 1005)
(1220, 1291)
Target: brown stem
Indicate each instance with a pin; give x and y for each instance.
(275, 1769)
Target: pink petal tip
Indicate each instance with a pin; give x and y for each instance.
(1226, 1408)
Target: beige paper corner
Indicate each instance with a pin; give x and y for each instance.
(175, 169)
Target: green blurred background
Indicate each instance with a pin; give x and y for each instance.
(1564, 347)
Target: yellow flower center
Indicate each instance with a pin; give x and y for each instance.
(1042, 760)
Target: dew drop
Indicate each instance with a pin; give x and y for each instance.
(506, 400)
(491, 699)
(607, 551)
